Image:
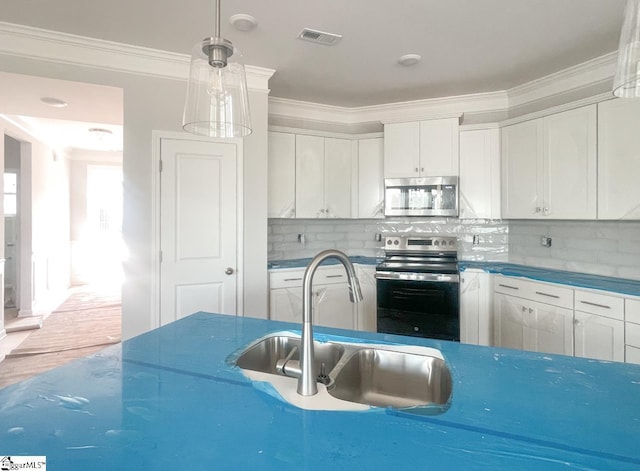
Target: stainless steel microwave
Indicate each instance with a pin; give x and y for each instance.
(428, 196)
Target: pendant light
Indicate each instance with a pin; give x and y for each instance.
(626, 83)
(217, 103)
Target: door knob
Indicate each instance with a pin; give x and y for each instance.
(229, 271)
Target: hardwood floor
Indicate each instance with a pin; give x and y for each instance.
(88, 321)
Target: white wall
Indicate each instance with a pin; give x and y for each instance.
(152, 103)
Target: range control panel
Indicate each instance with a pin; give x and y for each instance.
(421, 244)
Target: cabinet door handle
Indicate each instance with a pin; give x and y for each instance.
(548, 295)
(507, 286)
(293, 279)
(417, 170)
(334, 276)
(596, 304)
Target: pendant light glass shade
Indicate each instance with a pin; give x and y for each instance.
(626, 83)
(217, 103)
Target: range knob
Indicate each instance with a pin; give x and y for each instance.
(396, 242)
(389, 242)
(436, 243)
(450, 242)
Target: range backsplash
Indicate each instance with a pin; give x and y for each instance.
(360, 236)
(607, 248)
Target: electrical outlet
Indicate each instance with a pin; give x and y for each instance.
(476, 239)
(301, 239)
(545, 241)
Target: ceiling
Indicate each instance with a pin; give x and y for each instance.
(88, 106)
(467, 46)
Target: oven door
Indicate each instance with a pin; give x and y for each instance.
(418, 304)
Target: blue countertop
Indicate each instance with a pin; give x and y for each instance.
(171, 398)
(580, 280)
(303, 262)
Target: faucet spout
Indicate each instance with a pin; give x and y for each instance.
(307, 381)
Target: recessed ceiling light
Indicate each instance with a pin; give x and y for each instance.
(100, 134)
(54, 102)
(243, 22)
(409, 59)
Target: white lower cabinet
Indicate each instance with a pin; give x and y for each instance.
(632, 331)
(530, 325)
(368, 308)
(599, 326)
(553, 318)
(285, 304)
(532, 316)
(332, 306)
(598, 337)
(475, 318)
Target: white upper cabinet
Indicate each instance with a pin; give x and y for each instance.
(337, 178)
(282, 175)
(323, 177)
(570, 156)
(480, 174)
(439, 147)
(618, 159)
(402, 150)
(309, 176)
(521, 146)
(421, 149)
(370, 194)
(549, 167)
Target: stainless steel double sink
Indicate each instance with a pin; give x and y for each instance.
(379, 375)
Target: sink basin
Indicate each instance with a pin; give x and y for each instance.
(387, 378)
(361, 375)
(263, 355)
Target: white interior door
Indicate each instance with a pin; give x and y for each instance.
(198, 228)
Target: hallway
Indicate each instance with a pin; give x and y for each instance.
(88, 321)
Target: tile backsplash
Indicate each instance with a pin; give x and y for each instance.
(359, 236)
(608, 248)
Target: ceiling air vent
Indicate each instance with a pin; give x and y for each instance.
(319, 37)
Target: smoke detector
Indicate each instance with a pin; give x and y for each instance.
(319, 37)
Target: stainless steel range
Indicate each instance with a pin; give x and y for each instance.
(417, 287)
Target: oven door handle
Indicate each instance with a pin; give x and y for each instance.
(394, 275)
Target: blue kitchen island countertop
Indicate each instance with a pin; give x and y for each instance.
(172, 398)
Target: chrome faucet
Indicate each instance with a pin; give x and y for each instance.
(307, 380)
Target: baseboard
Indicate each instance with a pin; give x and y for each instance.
(25, 313)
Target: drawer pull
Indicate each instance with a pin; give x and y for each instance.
(547, 295)
(603, 306)
(334, 276)
(507, 286)
(293, 279)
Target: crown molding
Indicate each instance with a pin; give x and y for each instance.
(564, 81)
(558, 109)
(389, 112)
(64, 48)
